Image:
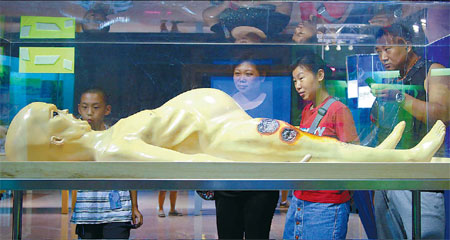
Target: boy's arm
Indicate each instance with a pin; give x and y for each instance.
(135, 214)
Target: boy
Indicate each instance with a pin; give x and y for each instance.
(103, 214)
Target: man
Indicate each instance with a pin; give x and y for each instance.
(420, 99)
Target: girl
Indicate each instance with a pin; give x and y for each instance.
(319, 214)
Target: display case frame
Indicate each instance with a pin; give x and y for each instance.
(21, 176)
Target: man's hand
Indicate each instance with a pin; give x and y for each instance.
(385, 94)
(390, 92)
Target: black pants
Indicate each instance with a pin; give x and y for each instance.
(115, 230)
(248, 212)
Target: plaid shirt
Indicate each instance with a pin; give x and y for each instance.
(93, 207)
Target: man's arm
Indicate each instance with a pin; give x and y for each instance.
(135, 214)
(437, 88)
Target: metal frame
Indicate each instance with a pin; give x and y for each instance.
(222, 184)
(221, 175)
(19, 176)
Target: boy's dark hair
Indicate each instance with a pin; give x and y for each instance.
(312, 62)
(395, 30)
(97, 91)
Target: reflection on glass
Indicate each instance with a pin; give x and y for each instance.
(247, 80)
(305, 32)
(260, 95)
(259, 19)
(95, 19)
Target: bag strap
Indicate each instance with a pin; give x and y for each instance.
(320, 113)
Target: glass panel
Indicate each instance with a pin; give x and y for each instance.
(344, 23)
(384, 61)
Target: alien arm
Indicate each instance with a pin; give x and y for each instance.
(138, 150)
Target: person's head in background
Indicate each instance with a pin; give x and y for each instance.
(248, 75)
(306, 31)
(394, 48)
(94, 20)
(309, 73)
(248, 34)
(93, 108)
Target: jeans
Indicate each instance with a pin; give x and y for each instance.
(393, 213)
(311, 220)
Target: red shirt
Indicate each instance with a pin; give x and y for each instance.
(337, 123)
(335, 10)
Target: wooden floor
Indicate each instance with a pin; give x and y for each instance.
(42, 218)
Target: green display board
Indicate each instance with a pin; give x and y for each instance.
(47, 27)
(46, 59)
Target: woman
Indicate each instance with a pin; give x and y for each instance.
(247, 213)
(319, 214)
(248, 77)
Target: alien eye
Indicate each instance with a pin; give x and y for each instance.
(54, 114)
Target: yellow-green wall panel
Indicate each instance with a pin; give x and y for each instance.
(46, 59)
(47, 27)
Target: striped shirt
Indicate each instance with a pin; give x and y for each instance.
(93, 207)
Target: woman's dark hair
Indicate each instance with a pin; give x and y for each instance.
(312, 62)
(261, 64)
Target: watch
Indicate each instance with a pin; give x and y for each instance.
(399, 97)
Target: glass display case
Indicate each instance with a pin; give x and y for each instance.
(144, 53)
